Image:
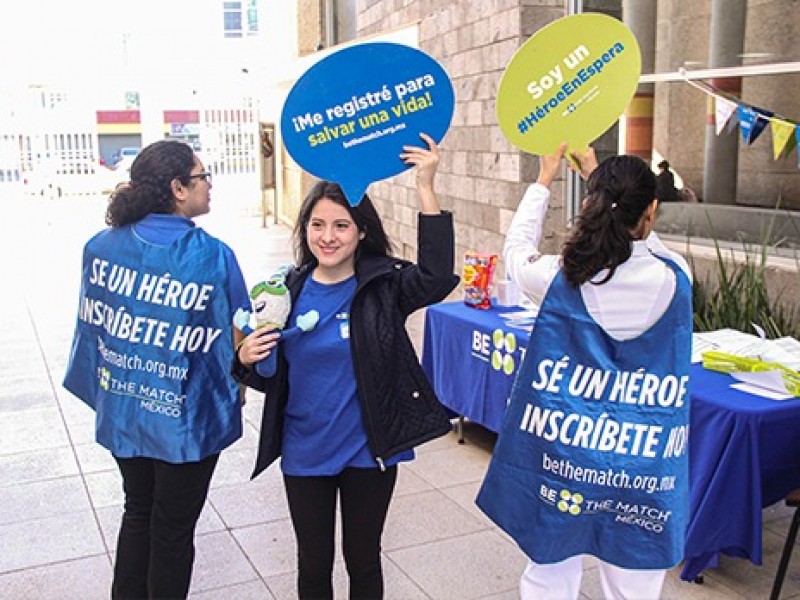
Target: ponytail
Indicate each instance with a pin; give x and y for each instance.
(620, 190)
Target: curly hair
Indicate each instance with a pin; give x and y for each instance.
(620, 190)
(364, 215)
(150, 188)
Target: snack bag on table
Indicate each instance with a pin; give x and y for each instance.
(476, 279)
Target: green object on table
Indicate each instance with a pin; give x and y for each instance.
(714, 360)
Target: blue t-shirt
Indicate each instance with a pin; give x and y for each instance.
(323, 429)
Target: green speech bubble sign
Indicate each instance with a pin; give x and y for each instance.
(569, 82)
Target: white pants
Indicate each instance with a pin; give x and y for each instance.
(562, 581)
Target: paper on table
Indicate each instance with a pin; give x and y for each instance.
(731, 341)
(700, 345)
(765, 383)
(785, 350)
(520, 314)
(760, 391)
(523, 319)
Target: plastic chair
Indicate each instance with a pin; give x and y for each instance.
(793, 499)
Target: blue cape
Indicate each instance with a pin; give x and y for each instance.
(152, 347)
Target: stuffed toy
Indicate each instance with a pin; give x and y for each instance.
(272, 305)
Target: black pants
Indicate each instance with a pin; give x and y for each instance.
(365, 496)
(155, 548)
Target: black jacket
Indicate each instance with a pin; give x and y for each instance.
(398, 404)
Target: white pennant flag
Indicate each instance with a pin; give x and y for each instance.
(723, 111)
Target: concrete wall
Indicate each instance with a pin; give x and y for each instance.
(780, 273)
(680, 110)
(753, 226)
(773, 27)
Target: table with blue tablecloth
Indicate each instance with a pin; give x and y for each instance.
(471, 356)
(743, 449)
(744, 455)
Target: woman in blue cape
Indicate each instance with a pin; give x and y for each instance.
(151, 355)
(592, 456)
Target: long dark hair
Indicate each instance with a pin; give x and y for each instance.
(150, 188)
(620, 190)
(366, 218)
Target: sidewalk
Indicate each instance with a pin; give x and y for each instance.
(61, 496)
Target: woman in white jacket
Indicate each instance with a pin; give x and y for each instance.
(592, 457)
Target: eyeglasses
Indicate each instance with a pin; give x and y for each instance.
(204, 176)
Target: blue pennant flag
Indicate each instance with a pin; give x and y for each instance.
(797, 137)
(752, 121)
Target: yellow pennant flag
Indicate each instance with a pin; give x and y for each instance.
(783, 139)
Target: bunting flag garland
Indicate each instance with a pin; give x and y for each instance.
(733, 122)
(730, 112)
(752, 121)
(724, 109)
(784, 137)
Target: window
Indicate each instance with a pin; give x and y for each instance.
(232, 16)
(252, 17)
(339, 19)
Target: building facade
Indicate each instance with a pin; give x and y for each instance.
(692, 53)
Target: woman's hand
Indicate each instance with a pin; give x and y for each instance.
(583, 163)
(257, 345)
(426, 162)
(549, 165)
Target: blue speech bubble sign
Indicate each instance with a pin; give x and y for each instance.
(349, 116)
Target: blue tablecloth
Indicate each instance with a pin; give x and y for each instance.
(471, 356)
(743, 449)
(744, 455)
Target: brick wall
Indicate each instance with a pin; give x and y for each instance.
(309, 26)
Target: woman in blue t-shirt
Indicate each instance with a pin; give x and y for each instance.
(349, 399)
